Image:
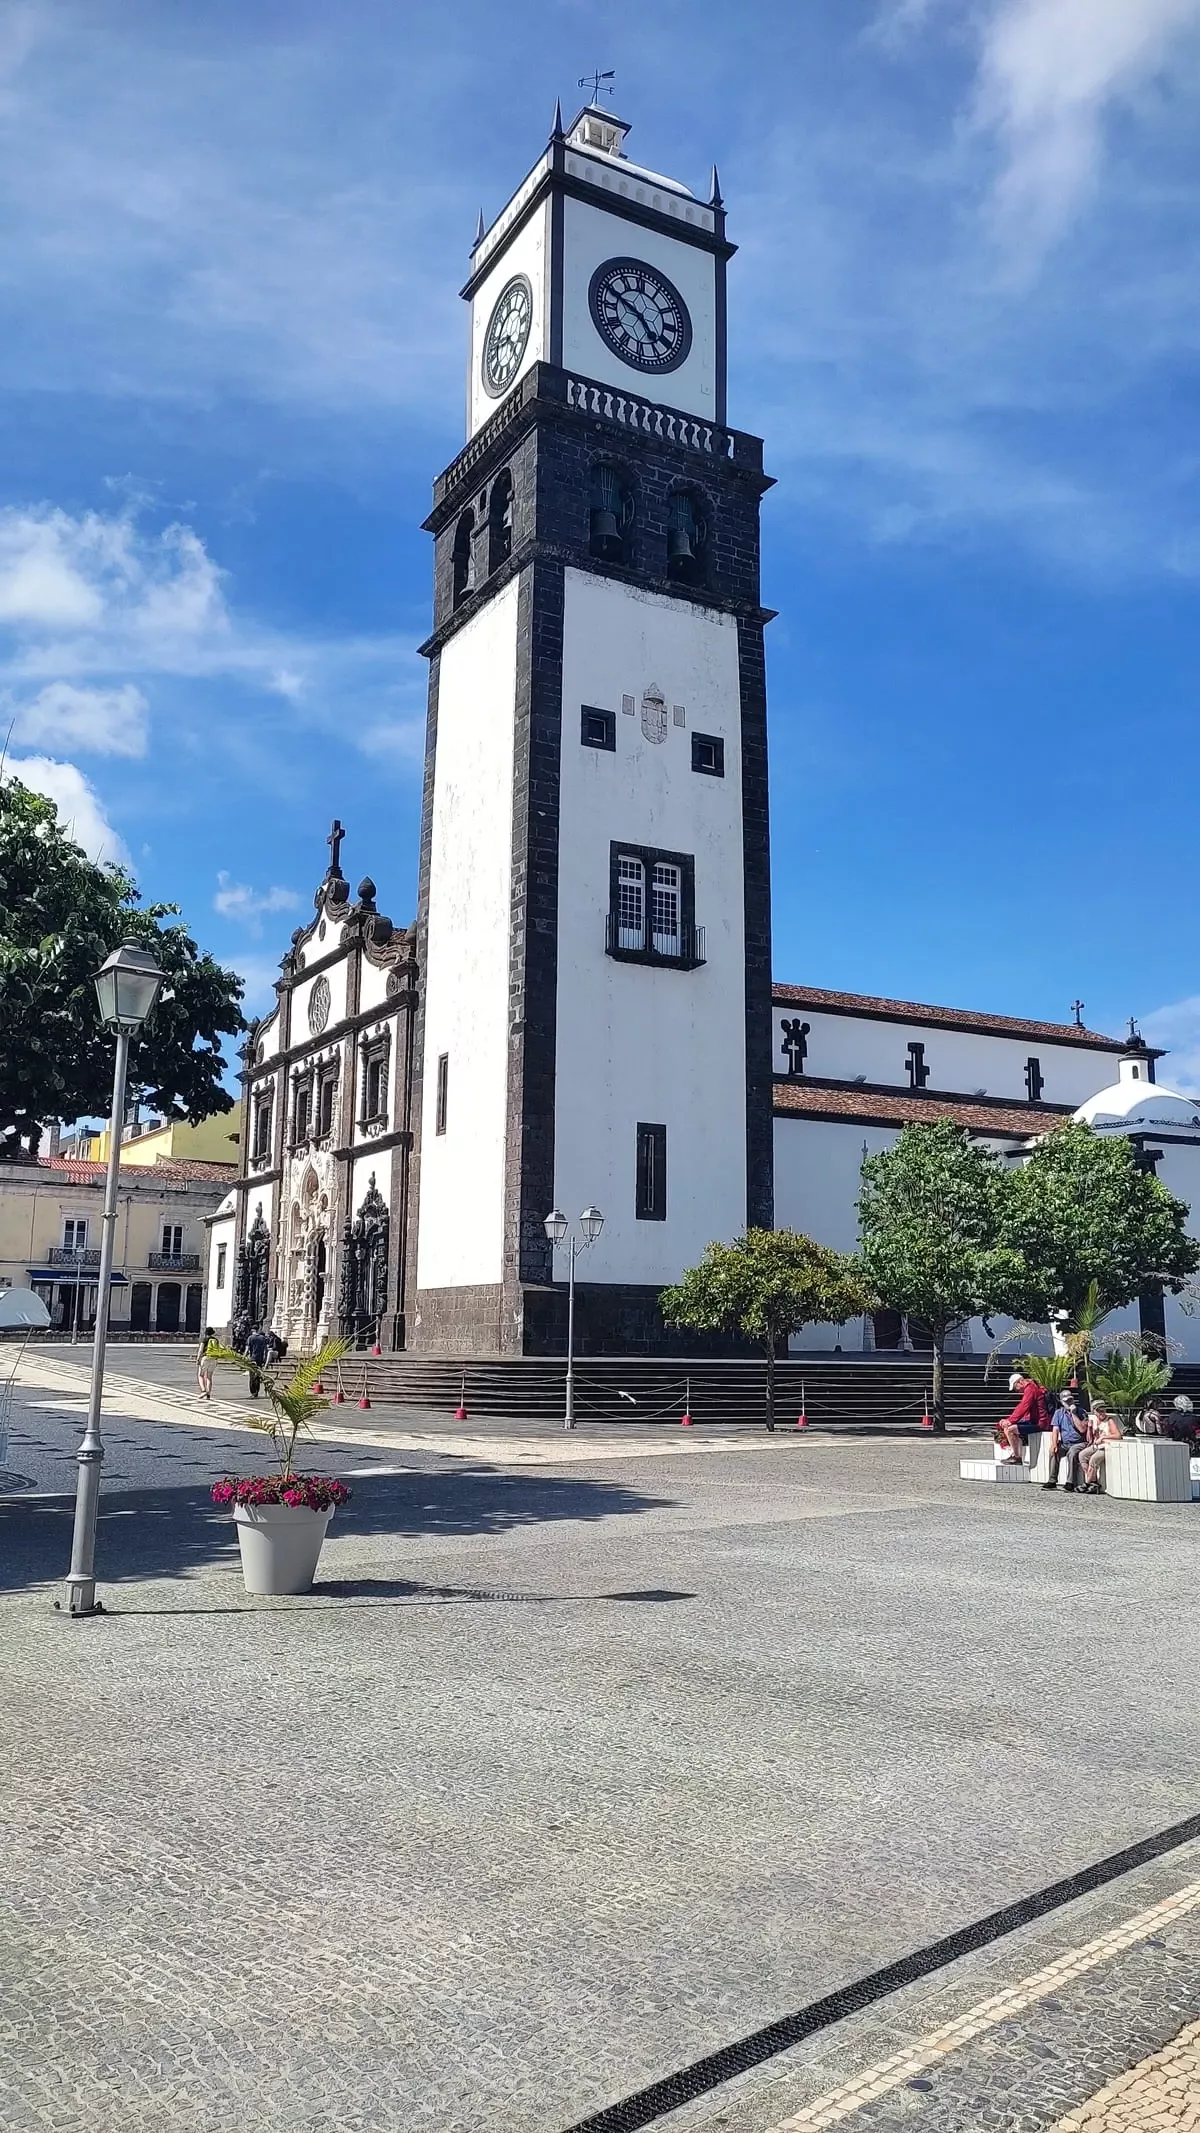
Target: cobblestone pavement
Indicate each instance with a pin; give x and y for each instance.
(1162, 2095)
(564, 1778)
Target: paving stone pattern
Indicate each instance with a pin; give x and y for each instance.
(559, 1781)
(1162, 2095)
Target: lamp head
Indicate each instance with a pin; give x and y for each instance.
(127, 985)
(556, 1226)
(591, 1222)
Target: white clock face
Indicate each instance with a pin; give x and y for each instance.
(507, 335)
(640, 314)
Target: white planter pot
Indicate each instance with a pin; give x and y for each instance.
(281, 1545)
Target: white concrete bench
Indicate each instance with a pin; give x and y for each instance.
(1148, 1470)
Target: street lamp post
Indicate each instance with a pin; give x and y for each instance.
(127, 986)
(591, 1222)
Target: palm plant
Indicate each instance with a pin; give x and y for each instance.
(1128, 1383)
(1052, 1372)
(293, 1401)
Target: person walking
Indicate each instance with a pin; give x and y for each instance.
(258, 1352)
(204, 1363)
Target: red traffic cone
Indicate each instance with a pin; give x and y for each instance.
(802, 1417)
(337, 1397)
(685, 1419)
(460, 1412)
(926, 1417)
(317, 1385)
(364, 1397)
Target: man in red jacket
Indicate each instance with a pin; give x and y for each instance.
(1031, 1413)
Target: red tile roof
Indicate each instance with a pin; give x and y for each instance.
(899, 1107)
(853, 1003)
(179, 1170)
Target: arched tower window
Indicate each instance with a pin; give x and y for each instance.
(500, 521)
(464, 572)
(687, 537)
(610, 514)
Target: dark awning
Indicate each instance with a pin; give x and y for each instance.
(68, 1278)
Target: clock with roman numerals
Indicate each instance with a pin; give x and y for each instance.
(507, 336)
(640, 314)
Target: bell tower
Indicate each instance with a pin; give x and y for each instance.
(594, 901)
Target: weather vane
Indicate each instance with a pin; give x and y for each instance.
(596, 83)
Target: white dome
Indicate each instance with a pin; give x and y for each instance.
(1135, 1105)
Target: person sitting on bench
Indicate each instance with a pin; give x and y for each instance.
(1031, 1414)
(1103, 1430)
(1067, 1440)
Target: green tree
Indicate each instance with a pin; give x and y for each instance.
(60, 914)
(765, 1286)
(930, 1214)
(1094, 1230)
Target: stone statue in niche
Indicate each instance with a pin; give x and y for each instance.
(253, 1267)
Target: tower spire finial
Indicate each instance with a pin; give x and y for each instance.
(556, 130)
(714, 198)
(480, 229)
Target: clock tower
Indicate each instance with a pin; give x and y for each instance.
(594, 903)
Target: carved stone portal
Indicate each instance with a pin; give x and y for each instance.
(253, 1268)
(363, 1294)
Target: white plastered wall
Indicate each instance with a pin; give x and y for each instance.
(843, 1046)
(218, 1302)
(528, 255)
(639, 1044)
(460, 1234)
(592, 235)
(817, 1165)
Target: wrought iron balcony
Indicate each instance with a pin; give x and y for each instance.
(681, 950)
(173, 1262)
(66, 1255)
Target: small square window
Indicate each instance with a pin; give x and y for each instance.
(708, 754)
(598, 729)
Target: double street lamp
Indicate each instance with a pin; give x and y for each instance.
(591, 1222)
(127, 986)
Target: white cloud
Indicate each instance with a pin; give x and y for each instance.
(80, 811)
(89, 601)
(99, 721)
(237, 900)
(1049, 71)
(1177, 1029)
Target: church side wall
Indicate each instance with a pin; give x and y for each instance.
(460, 1236)
(636, 1043)
(1179, 1171)
(841, 1047)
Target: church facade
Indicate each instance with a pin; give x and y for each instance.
(583, 1013)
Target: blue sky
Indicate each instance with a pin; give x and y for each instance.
(965, 316)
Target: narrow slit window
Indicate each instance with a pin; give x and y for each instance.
(651, 1187)
(443, 1082)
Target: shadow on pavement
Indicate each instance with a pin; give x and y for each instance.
(400, 1592)
(165, 1532)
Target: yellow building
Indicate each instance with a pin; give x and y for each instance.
(50, 1226)
(144, 1142)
